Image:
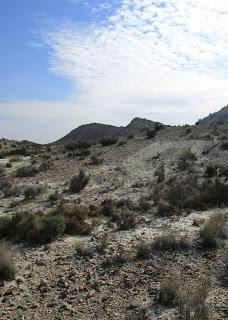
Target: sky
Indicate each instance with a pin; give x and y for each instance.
(69, 62)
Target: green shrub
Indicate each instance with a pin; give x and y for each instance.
(108, 141)
(168, 293)
(75, 219)
(191, 300)
(8, 189)
(168, 242)
(213, 230)
(7, 266)
(79, 182)
(124, 220)
(32, 192)
(95, 159)
(107, 207)
(27, 171)
(74, 145)
(52, 228)
(188, 193)
(186, 159)
(102, 245)
(143, 250)
(82, 250)
(53, 197)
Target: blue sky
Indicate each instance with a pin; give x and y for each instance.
(68, 62)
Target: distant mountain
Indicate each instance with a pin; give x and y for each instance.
(97, 131)
(220, 116)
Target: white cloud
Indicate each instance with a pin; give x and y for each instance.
(164, 60)
(165, 52)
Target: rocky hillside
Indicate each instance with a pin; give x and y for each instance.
(220, 116)
(96, 131)
(136, 230)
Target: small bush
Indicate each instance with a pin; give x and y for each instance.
(102, 245)
(9, 165)
(96, 160)
(32, 192)
(7, 266)
(150, 134)
(79, 182)
(34, 228)
(168, 293)
(143, 250)
(8, 189)
(108, 141)
(52, 228)
(160, 173)
(191, 302)
(210, 171)
(27, 171)
(213, 230)
(46, 165)
(125, 220)
(2, 171)
(117, 259)
(75, 219)
(121, 143)
(53, 197)
(224, 273)
(130, 136)
(224, 146)
(186, 159)
(107, 207)
(82, 250)
(168, 242)
(188, 193)
(71, 146)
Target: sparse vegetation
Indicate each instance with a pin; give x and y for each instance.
(186, 159)
(32, 192)
(38, 228)
(188, 193)
(108, 141)
(150, 134)
(143, 250)
(168, 242)
(7, 265)
(96, 159)
(27, 171)
(168, 293)
(224, 272)
(213, 230)
(79, 182)
(71, 146)
(82, 250)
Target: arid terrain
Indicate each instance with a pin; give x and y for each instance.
(128, 228)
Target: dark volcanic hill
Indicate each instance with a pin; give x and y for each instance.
(96, 131)
(220, 116)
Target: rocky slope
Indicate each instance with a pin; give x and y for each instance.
(108, 279)
(220, 116)
(96, 131)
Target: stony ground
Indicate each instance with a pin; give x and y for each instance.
(54, 282)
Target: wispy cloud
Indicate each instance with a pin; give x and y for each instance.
(164, 59)
(161, 52)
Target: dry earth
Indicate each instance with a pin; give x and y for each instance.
(54, 282)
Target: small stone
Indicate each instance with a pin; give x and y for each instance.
(40, 262)
(62, 280)
(20, 279)
(43, 283)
